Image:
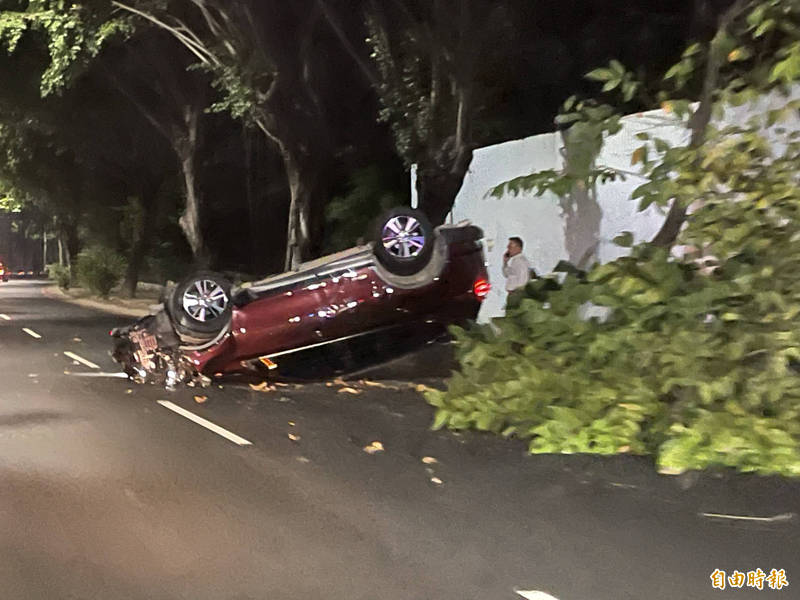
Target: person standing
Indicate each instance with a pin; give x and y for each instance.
(516, 268)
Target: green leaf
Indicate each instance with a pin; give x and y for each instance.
(442, 416)
(601, 75)
(625, 239)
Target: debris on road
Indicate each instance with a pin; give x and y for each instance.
(349, 390)
(378, 384)
(374, 448)
(262, 387)
(200, 399)
(775, 519)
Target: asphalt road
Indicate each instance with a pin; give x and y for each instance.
(107, 494)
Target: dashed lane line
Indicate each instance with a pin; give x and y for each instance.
(232, 437)
(32, 333)
(81, 360)
(535, 595)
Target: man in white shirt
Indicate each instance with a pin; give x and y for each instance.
(516, 268)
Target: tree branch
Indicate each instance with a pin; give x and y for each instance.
(365, 69)
(700, 120)
(189, 41)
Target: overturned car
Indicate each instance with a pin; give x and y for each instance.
(409, 277)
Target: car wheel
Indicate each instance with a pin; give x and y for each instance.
(404, 241)
(200, 305)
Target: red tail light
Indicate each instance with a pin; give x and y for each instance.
(481, 288)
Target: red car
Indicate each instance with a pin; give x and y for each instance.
(411, 277)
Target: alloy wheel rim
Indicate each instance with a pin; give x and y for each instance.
(403, 237)
(205, 301)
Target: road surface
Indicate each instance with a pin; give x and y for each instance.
(105, 493)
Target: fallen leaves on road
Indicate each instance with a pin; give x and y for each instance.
(200, 399)
(670, 471)
(378, 384)
(429, 460)
(349, 390)
(374, 448)
(436, 481)
(294, 437)
(262, 387)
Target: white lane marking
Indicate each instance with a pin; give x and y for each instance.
(5, 317)
(115, 375)
(31, 333)
(534, 595)
(207, 424)
(781, 517)
(83, 361)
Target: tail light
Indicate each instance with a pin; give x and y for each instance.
(481, 288)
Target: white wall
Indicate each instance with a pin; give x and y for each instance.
(534, 219)
(539, 221)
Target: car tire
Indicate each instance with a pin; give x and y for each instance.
(200, 306)
(403, 241)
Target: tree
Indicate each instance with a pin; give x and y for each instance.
(263, 61)
(695, 364)
(429, 57)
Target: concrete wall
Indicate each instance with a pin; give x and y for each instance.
(552, 229)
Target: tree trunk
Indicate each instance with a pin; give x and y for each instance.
(72, 246)
(676, 216)
(437, 188)
(143, 237)
(185, 145)
(190, 219)
(301, 190)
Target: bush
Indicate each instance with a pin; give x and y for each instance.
(693, 369)
(371, 191)
(60, 274)
(100, 269)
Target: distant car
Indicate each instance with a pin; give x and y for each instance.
(408, 278)
(4, 272)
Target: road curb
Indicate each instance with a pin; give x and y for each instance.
(55, 293)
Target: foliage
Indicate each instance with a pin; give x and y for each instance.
(349, 216)
(60, 274)
(694, 369)
(695, 364)
(589, 123)
(100, 269)
(74, 32)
